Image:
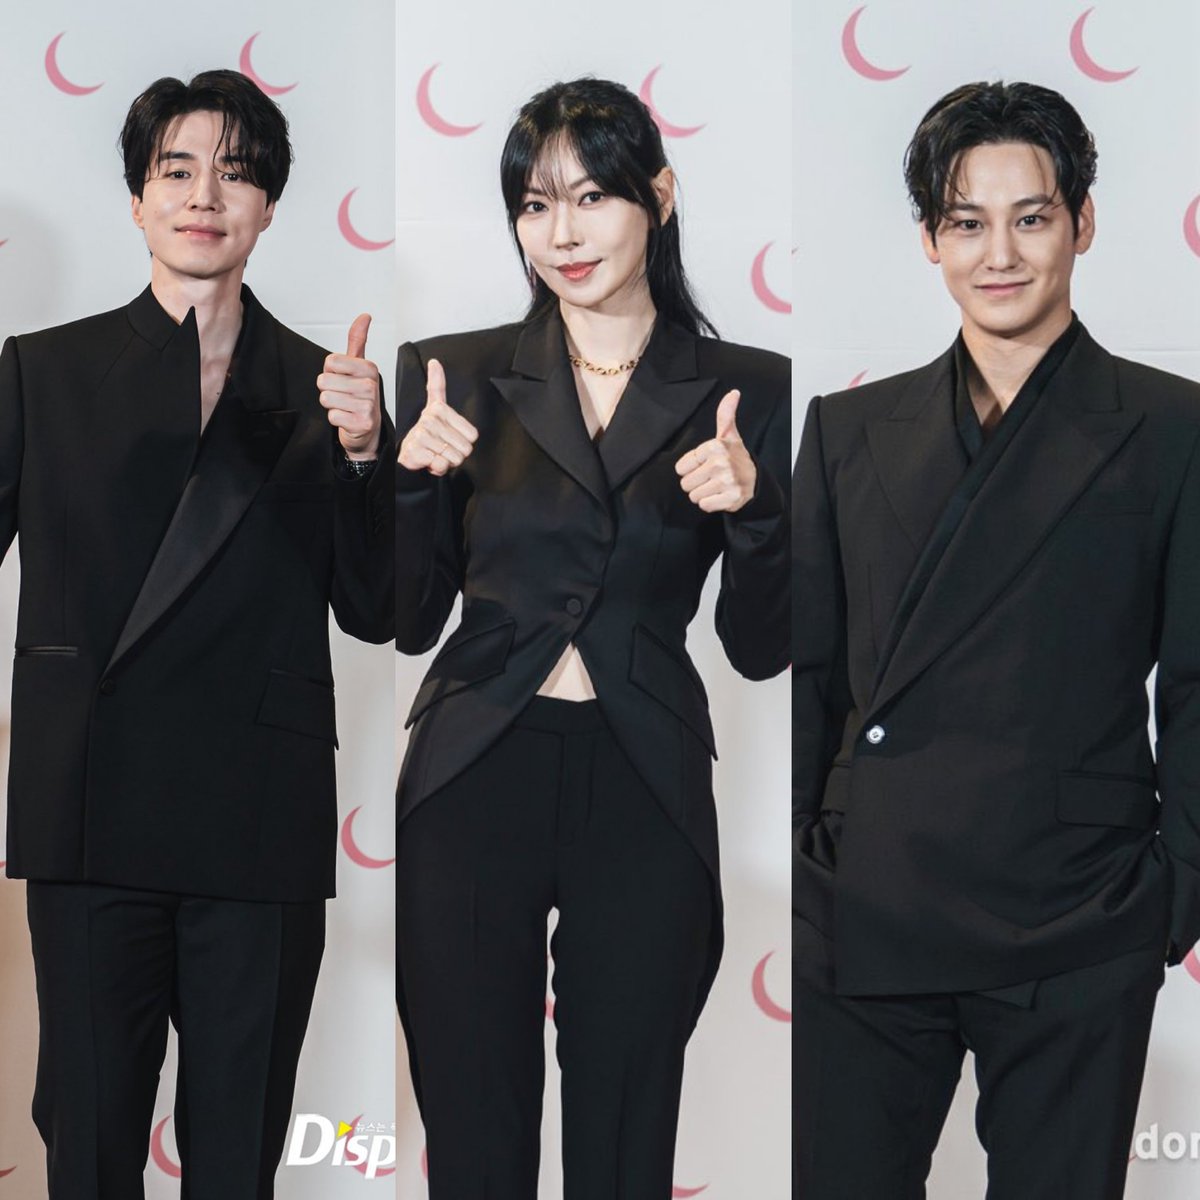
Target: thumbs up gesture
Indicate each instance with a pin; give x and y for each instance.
(441, 437)
(719, 475)
(349, 388)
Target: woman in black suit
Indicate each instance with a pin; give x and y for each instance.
(575, 476)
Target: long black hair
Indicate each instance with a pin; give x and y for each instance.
(618, 144)
(978, 114)
(253, 127)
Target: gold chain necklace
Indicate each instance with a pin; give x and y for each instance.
(584, 365)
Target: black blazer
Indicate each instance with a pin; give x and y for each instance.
(553, 539)
(976, 803)
(172, 709)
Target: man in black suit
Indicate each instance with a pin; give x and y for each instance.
(991, 555)
(194, 486)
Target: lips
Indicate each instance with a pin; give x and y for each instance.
(200, 231)
(1002, 289)
(576, 272)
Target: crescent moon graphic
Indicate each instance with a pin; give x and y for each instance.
(857, 380)
(353, 853)
(758, 988)
(247, 69)
(855, 57)
(431, 116)
(646, 95)
(425, 1161)
(758, 281)
(1085, 62)
(347, 230)
(681, 1193)
(57, 78)
(159, 1154)
(1191, 226)
(7, 1171)
(1192, 963)
(361, 1167)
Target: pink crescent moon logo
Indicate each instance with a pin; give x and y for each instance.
(681, 1193)
(1085, 62)
(855, 57)
(7, 1171)
(247, 69)
(159, 1154)
(353, 853)
(347, 230)
(857, 380)
(425, 1161)
(758, 988)
(361, 1167)
(1192, 966)
(431, 116)
(646, 94)
(758, 281)
(1191, 226)
(56, 76)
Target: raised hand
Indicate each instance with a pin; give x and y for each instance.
(719, 475)
(441, 437)
(349, 388)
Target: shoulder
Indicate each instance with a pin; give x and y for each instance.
(476, 351)
(97, 333)
(1156, 392)
(874, 399)
(744, 366)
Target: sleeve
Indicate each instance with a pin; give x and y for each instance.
(820, 673)
(430, 566)
(363, 589)
(752, 604)
(1177, 716)
(12, 441)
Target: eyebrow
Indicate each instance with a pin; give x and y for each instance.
(1038, 201)
(187, 156)
(536, 191)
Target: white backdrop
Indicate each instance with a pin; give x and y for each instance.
(868, 302)
(68, 248)
(457, 270)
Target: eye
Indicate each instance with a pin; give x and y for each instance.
(532, 206)
(178, 173)
(968, 225)
(231, 177)
(1031, 221)
(592, 197)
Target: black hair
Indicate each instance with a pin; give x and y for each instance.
(253, 127)
(617, 142)
(979, 114)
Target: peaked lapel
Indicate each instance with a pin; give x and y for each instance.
(241, 444)
(1075, 427)
(541, 391)
(662, 393)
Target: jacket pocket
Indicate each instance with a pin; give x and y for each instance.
(476, 650)
(46, 652)
(1113, 499)
(299, 705)
(1086, 798)
(662, 674)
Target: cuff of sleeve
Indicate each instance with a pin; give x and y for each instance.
(1185, 909)
(768, 500)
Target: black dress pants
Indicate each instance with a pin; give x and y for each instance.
(552, 817)
(113, 965)
(1058, 1081)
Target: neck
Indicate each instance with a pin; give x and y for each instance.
(607, 337)
(1000, 365)
(218, 305)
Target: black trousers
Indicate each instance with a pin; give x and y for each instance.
(551, 817)
(113, 965)
(1058, 1081)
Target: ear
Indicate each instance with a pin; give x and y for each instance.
(664, 188)
(929, 245)
(1086, 225)
(135, 208)
(268, 214)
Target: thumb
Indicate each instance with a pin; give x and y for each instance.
(356, 341)
(727, 414)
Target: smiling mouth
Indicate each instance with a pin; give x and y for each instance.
(577, 271)
(200, 230)
(1002, 288)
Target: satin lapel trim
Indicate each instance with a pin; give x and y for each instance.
(1052, 458)
(917, 452)
(543, 396)
(240, 447)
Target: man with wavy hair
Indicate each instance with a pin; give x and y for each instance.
(992, 554)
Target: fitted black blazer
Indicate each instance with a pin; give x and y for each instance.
(172, 708)
(553, 539)
(976, 801)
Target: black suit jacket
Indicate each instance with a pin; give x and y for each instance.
(172, 709)
(976, 803)
(553, 539)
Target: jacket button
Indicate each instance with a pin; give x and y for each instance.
(108, 686)
(574, 606)
(876, 734)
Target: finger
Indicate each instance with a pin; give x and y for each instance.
(704, 474)
(359, 385)
(723, 501)
(457, 422)
(435, 383)
(727, 414)
(442, 433)
(345, 367)
(356, 341)
(433, 443)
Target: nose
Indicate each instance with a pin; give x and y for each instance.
(563, 231)
(1001, 253)
(206, 190)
